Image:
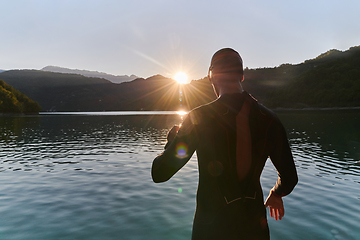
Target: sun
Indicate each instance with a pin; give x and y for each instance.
(181, 77)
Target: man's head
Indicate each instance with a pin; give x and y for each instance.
(226, 65)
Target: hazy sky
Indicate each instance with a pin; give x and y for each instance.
(151, 37)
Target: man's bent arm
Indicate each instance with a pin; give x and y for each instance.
(176, 155)
(283, 161)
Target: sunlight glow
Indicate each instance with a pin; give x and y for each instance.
(181, 113)
(181, 77)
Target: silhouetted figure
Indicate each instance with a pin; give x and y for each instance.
(233, 137)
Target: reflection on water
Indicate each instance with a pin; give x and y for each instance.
(31, 141)
(326, 147)
(330, 140)
(88, 177)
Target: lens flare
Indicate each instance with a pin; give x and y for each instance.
(181, 150)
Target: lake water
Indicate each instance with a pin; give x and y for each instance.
(87, 176)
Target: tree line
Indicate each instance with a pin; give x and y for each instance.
(13, 101)
(330, 80)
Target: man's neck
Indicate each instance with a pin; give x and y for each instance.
(230, 88)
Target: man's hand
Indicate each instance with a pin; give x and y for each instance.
(275, 204)
(172, 133)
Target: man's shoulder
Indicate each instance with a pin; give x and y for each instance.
(201, 113)
(266, 111)
(259, 110)
(204, 109)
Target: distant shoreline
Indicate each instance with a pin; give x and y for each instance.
(157, 112)
(18, 114)
(280, 109)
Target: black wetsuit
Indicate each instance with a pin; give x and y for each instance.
(233, 137)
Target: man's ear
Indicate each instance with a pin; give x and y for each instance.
(210, 77)
(242, 78)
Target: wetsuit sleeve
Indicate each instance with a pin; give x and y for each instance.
(283, 160)
(176, 154)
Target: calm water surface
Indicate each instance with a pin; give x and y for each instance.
(87, 176)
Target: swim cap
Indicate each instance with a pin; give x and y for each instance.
(226, 60)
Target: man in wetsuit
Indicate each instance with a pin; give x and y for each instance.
(233, 136)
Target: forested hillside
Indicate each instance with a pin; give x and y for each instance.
(12, 101)
(330, 80)
(72, 92)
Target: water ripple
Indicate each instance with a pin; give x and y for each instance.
(88, 177)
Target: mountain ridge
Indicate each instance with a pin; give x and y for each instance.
(88, 73)
(73, 92)
(330, 80)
